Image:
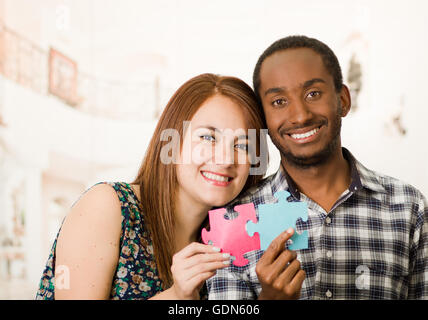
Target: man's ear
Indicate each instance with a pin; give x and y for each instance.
(345, 100)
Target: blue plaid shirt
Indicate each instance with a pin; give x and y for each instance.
(373, 244)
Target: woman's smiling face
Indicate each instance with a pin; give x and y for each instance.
(214, 164)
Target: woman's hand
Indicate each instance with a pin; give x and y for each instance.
(193, 265)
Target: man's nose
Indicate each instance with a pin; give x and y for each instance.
(299, 112)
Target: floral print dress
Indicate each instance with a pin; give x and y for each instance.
(136, 275)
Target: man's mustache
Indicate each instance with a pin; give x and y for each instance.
(310, 124)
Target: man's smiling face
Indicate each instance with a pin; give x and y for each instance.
(302, 108)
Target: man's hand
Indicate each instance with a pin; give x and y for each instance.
(279, 271)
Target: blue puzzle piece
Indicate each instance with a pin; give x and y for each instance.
(277, 217)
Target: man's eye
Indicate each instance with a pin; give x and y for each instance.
(314, 94)
(279, 102)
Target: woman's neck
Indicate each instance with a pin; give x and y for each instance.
(188, 219)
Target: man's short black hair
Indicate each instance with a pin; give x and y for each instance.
(294, 42)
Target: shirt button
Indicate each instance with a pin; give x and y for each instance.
(328, 220)
(328, 294)
(329, 254)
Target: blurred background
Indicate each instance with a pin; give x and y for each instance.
(82, 84)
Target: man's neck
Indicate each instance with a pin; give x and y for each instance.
(324, 183)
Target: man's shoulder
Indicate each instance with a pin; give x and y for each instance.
(391, 187)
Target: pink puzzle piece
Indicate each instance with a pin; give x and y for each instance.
(231, 235)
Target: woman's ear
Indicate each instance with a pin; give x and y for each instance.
(345, 100)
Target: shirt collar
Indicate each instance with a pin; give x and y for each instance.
(360, 177)
(368, 178)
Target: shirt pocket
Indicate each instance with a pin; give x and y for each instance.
(380, 280)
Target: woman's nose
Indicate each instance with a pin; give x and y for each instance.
(224, 154)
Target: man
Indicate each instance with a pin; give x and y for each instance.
(368, 233)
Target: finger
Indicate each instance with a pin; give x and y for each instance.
(210, 266)
(184, 276)
(297, 282)
(187, 268)
(290, 272)
(281, 263)
(192, 285)
(276, 247)
(197, 281)
(204, 258)
(195, 248)
(205, 267)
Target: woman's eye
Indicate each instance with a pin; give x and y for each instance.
(242, 146)
(207, 137)
(279, 102)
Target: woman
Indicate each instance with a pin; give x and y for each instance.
(141, 241)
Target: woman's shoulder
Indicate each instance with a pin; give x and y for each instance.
(98, 205)
(127, 193)
(109, 194)
(111, 207)
(99, 196)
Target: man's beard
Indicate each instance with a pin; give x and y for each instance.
(317, 159)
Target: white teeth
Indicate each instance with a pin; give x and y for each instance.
(216, 177)
(304, 135)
